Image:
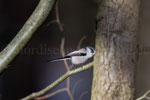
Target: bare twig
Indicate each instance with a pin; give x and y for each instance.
(57, 20)
(24, 35)
(148, 98)
(59, 80)
(52, 94)
(67, 67)
(144, 96)
(80, 42)
(63, 53)
(74, 87)
(80, 98)
(69, 93)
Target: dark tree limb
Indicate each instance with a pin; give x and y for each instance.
(26, 32)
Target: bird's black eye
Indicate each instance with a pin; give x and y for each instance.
(92, 49)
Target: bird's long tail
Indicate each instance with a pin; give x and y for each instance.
(59, 59)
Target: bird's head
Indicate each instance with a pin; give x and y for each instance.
(90, 51)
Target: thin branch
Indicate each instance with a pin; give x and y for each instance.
(148, 98)
(57, 20)
(80, 98)
(74, 87)
(24, 35)
(80, 42)
(69, 93)
(53, 21)
(63, 53)
(71, 66)
(67, 67)
(144, 96)
(52, 94)
(59, 80)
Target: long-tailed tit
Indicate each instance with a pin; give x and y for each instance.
(78, 57)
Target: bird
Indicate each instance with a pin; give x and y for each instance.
(78, 57)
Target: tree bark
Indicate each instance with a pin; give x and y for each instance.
(116, 56)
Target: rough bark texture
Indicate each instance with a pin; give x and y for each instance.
(115, 58)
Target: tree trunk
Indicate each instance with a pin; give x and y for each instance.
(116, 56)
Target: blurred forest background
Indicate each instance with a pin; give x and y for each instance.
(28, 72)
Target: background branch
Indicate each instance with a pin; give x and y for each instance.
(80, 42)
(59, 80)
(24, 35)
(80, 98)
(57, 20)
(52, 94)
(67, 67)
(144, 96)
(75, 86)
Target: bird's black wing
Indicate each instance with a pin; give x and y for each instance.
(77, 54)
(81, 52)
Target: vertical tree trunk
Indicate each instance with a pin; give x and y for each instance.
(115, 58)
